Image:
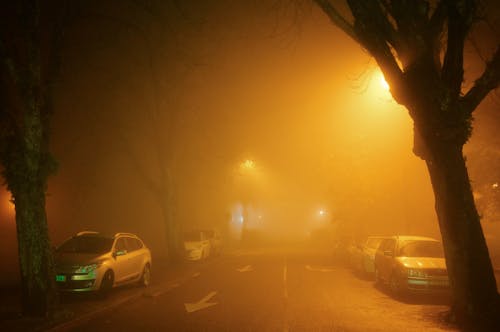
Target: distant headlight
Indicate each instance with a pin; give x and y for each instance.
(88, 268)
(417, 273)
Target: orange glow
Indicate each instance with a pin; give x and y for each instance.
(248, 164)
(383, 82)
(7, 207)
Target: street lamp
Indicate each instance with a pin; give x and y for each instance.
(248, 164)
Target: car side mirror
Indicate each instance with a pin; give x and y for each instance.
(388, 253)
(117, 253)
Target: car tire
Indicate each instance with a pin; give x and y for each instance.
(145, 280)
(378, 280)
(394, 285)
(106, 284)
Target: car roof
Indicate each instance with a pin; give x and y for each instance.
(98, 234)
(414, 238)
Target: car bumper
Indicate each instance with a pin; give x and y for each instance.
(72, 282)
(427, 285)
(194, 255)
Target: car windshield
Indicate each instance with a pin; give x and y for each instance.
(373, 243)
(86, 245)
(422, 249)
(192, 236)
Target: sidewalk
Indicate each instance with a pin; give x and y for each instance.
(74, 309)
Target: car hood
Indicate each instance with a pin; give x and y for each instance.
(77, 259)
(423, 262)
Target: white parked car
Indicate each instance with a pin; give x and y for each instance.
(90, 261)
(197, 245)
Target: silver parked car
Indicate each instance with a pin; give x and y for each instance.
(363, 256)
(411, 264)
(90, 261)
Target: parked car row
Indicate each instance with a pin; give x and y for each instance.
(92, 261)
(200, 244)
(407, 264)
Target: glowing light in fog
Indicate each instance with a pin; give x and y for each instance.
(383, 83)
(321, 212)
(248, 164)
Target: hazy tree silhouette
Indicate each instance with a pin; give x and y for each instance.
(419, 46)
(30, 40)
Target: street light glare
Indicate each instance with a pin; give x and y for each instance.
(383, 82)
(248, 164)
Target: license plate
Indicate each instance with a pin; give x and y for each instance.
(61, 278)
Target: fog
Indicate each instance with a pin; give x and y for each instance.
(260, 114)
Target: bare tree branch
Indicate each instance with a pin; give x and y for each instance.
(338, 19)
(489, 80)
(460, 17)
(371, 36)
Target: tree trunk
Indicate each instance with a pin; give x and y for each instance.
(27, 168)
(474, 291)
(35, 257)
(172, 231)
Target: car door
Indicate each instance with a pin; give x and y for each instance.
(387, 258)
(135, 257)
(121, 257)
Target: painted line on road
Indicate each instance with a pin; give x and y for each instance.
(162, 291)
(285, 295)
(285, 272)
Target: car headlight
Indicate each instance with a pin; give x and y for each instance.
(418, 273)
(88, 268)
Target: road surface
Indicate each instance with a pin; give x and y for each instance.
(271, 290)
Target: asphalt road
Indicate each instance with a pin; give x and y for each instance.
(271, 290)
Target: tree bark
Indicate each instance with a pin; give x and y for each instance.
(474, 293)
(27, 167)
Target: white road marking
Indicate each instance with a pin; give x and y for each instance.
(319, 269)
(201, 304)
(285, 295)
(245, 268)
(285, 287)
(162, 291)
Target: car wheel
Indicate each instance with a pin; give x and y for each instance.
(106, 283)
(378, 280)
(394, 285)
(146, 276)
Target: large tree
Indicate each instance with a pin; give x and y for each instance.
(419, 46)
(30, 37)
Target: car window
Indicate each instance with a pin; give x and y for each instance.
(138, 243)
(193, 236)
(388, 245)
(86, 245)
(421, 249)
(373, 243)
(133, 244)
(121, 245)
